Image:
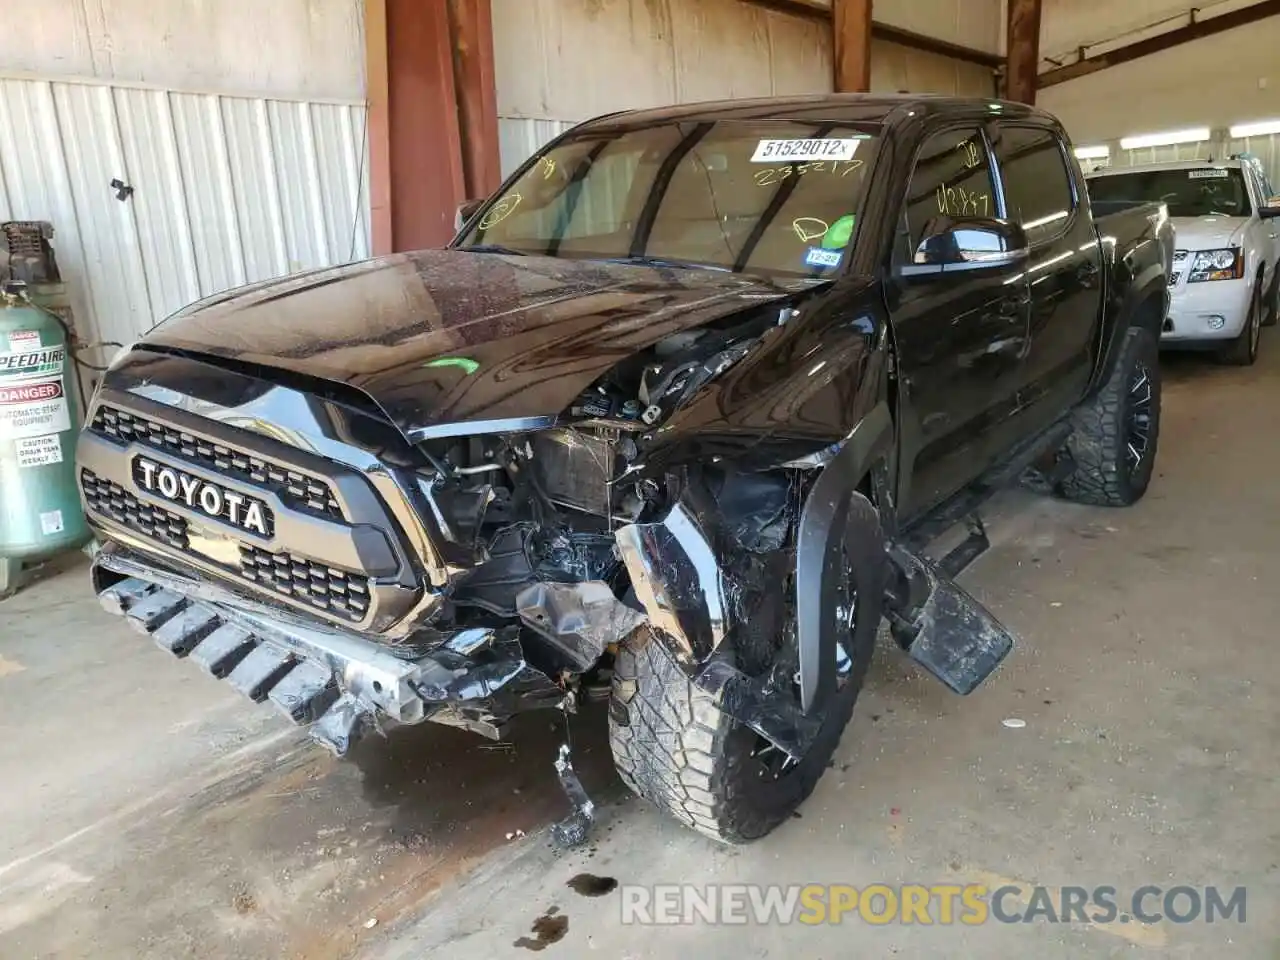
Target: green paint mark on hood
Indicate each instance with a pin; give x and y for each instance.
(466, 364)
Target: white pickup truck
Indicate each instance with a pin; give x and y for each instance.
(1225, 283)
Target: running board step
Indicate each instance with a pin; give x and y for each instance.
(968, 550)
(946, 630)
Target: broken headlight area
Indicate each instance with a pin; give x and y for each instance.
(574, 545)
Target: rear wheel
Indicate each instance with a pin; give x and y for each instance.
(1243, 350)
(674, 744)
(1114, 436)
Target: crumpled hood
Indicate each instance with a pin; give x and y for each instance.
(1208, 233)
(445, 336)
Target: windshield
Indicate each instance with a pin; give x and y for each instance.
(1198, 192)
(778, 198)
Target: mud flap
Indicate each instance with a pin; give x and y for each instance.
(944, 629)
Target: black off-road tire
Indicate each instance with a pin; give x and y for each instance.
(1099, 440)
(674, 745)
(1243, 350)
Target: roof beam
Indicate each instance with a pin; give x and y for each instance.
(943, 48)
(1023, 44)
(889, 33)
(1196, 30)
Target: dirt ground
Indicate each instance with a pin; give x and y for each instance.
(149, 812)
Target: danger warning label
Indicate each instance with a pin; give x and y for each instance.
(31, 392)
(33, 409)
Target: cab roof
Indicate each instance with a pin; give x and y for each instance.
(879, 108)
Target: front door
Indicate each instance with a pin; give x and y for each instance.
(961, 336)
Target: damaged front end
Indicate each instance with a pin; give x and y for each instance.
(459, 575)
(465, 572)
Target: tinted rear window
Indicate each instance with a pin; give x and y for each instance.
(1198, 192)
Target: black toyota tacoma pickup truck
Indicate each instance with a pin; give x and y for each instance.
(670, 422)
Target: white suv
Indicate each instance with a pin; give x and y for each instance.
(1225, 284)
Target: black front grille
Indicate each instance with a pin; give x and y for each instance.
(298, 491)
(336, 591)
(112, 500)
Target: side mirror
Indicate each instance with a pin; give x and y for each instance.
(1271, 209)
(464, 213)
(951, 245)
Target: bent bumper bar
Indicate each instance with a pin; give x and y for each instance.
(341, 683)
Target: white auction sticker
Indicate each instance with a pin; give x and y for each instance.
(33, 409)
(24, 341)
(802, 151)
(39, 451)
(51, 523)
(1209, 173)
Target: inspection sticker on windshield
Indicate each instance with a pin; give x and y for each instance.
(1209, 173)
(816, 148)
(818, 257)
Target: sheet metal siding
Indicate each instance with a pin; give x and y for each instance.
(897, 69)
(562, 61)
(227, 190)
(970, 23)
(640, 53)
(293, 49)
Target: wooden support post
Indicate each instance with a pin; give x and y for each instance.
(377, 124)
(1023, 44)
(433, 129)
(851, 36)
(472, 24)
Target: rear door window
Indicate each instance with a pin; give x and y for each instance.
(1037, 184)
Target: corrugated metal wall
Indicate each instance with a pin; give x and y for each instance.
(895, 68)
(562, 61)
(226, 190)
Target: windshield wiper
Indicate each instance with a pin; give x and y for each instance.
(495, 248)
(660, 262)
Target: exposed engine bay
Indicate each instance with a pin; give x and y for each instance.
(546, 529)
(554, 528)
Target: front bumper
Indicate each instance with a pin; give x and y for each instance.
(1197, 308)
(339, 682)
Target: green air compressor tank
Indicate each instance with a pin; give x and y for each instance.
(40, 511)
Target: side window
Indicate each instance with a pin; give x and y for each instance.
(1037, 185)
(952, 178)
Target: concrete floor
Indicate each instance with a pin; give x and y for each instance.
(150, 813)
